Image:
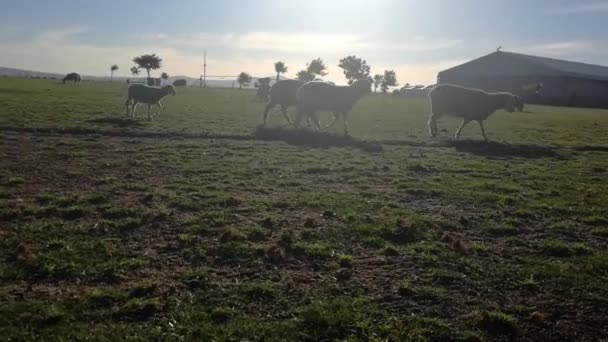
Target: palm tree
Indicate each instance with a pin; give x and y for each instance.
(112, 69)
(134, 71)
(378, 79)
(280, 68)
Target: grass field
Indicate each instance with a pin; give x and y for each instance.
(195, 226)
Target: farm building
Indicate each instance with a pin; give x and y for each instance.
(537, 79)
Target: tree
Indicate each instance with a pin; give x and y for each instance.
(305, 76)
(390, 80)
(280, 68)
(243, 79)
(112, 69)
(354, 68)
(148, 62)
(134, 71)
(316, 67)
(378, 79)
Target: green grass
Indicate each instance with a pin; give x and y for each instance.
(187, 227)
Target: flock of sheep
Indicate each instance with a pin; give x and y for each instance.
(446, 99)
(312, 97)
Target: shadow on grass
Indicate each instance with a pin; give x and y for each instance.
(9, 91)
(497, 149)
(127, 133)
(302, 137)
(117, 122)
(591, 148)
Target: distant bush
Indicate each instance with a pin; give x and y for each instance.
(179, 83)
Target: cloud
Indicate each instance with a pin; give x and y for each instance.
(561, 49)
(254, 52)
(596, 7)
(299, 42)
(420, 73)
(55, 51)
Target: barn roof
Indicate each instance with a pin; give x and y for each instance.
(510, 63)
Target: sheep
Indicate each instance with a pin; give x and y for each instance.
(72, 77)
(283, 93)
(315, 96)
(469, 104)
(150, 95)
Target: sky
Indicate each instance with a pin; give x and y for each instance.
(415, 38)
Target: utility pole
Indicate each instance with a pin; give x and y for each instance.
(205, 70)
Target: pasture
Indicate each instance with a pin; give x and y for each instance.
(195, 226)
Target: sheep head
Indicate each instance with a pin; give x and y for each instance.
(363, 86)
(169, 89)
(510, 103)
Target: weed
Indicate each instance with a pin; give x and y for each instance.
(345, 260)
(496, 323)
(259, 291)
(196, 279)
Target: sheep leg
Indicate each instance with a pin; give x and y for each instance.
(464, 123)
(160, 108)
(268, 107)
(313, 116)
(336, 114)
(298, 118)
(149, 106)
(345, 117)
(127, 103)
(433, 126)
(133, 108)
(284, 111)
(483, 131)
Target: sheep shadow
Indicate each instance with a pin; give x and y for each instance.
(504, 150)
(13, 92)
(117, 122)
(591, 148)
(303, 137)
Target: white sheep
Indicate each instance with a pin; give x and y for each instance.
(140, 93)
(468, 104)
(283, 93)
(315, 96)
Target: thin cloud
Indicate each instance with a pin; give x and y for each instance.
(419, 73)
(560, 49)
(58, 51)
(297, 43)
(597, 7)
